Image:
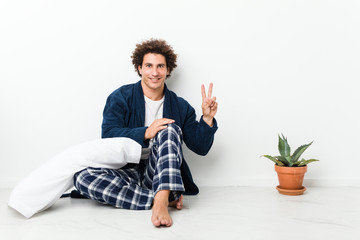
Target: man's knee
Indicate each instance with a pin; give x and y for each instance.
(173, 130)
(168, 141)
(85, 177)
(80, 177)
(175, 127)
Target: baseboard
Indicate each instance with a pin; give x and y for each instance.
(256, 182)
(273, 182)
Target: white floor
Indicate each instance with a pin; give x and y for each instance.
(216, 213)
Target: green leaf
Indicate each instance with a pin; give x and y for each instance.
(298, 163)
(284, 147)
(306, 162)
(274, 160)
(283, 160)
(288, 159)
(295, 157)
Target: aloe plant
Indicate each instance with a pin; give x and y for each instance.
(288, 160)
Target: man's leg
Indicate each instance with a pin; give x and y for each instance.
(120, 188)
(163, 174)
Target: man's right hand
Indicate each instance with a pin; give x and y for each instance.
(156, 126)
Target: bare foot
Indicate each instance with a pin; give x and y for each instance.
(160, 214)
(178, 203)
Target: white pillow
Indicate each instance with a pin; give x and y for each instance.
(44, 186)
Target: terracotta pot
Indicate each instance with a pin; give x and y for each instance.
(291, 178)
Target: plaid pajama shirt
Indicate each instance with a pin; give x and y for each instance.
(135, 185)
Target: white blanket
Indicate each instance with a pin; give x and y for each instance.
(44, 186)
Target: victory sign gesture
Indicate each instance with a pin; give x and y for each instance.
(209, 105)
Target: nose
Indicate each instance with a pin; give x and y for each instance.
(154, 71)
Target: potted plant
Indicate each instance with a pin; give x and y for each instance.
(290, 168)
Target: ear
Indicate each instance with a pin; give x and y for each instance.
(139, 69)
(168, 72)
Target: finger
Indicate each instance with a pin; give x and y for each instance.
(162, 127)
(207, 102)
(167, 121)
(210, 90)
(210, 101)
(203, 92)
(214, 106)
(160, 123)
(164, 120)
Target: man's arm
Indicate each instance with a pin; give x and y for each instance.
(199, 136)
(116, 120)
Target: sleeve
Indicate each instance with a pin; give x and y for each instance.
(198, 136)
(115, 120)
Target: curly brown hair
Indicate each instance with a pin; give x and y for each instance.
(157, 46)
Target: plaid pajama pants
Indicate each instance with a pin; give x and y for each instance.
(135, 185)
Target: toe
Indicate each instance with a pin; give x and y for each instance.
(155, 221)
(168, 223)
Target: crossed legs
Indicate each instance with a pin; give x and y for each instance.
(155, 184)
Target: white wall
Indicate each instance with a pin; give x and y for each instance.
(278, 66)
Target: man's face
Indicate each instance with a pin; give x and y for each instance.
(153, 71)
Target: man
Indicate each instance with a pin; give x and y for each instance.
(159, 121)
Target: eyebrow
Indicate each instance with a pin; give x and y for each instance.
(160, 64)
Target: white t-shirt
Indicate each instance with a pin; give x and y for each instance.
(153, 111)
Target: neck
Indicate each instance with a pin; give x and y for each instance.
(153, 94)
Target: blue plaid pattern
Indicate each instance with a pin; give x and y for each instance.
(135, 185)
